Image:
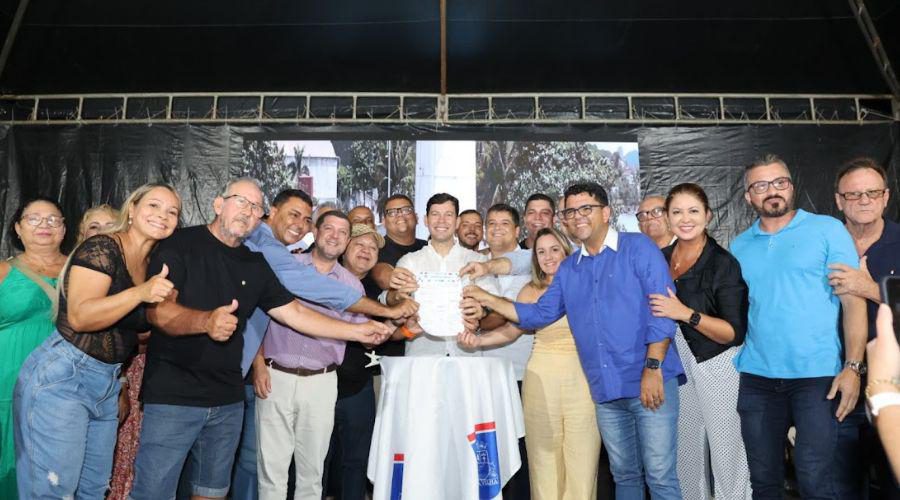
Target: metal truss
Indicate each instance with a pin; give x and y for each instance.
(310, 108)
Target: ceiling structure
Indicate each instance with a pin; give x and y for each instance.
(492, 46)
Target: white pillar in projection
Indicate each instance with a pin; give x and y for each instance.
(444, 167)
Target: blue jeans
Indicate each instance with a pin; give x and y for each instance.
(66, 415)
(169, 433)
(243, 483)
(767, 408)
(348, 457)
(642, 443)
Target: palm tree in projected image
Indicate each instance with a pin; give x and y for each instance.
(265, 161)
(511, 171)
(363, 172)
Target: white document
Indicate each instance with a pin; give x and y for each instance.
(438, 296)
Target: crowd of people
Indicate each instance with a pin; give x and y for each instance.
(227, 360)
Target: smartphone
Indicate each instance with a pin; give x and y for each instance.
(890, 295)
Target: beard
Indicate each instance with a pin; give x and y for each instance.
(781, 206)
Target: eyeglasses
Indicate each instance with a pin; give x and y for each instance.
(243, 203)
(760, 187)
(397, 212)
(36, 220)
(872, 194)
(653, 213)
(584, 211)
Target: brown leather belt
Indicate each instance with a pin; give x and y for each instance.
(300, 372)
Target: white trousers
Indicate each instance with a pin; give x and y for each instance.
(295, 419)
(709, 425)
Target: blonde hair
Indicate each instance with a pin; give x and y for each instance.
(122, 222)
(538, 276)
(82, 226)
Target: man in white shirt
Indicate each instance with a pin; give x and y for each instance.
(502, 230)
(442, 254)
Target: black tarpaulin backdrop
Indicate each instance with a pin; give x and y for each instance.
(87, 165)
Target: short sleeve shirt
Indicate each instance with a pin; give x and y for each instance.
(102, 253)
(793, 320)
(195, 370)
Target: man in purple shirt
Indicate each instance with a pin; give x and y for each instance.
(296, 383)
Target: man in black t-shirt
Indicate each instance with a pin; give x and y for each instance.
(400, 223)
(193, 387)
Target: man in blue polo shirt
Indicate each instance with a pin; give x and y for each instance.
(791, 367)
(861, 193)
(626, 353)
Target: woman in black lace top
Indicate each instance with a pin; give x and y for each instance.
(65, 401)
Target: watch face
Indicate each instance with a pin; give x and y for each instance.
(651, 363)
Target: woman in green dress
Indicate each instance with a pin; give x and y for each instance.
(27, 293)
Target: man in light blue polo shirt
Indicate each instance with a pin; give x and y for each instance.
(791, 367)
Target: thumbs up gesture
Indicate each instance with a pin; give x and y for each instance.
(222, 322)
(157, 288)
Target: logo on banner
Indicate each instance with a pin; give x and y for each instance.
(484, 443)
(397, 477)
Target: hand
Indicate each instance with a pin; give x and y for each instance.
(652, 394)
(403, 280)
(846, 280)
(471, 325)
(847, 383)
(222, 322)
(668, 306)
(262, 381)
(477, 293)
(371, 332)
(468, 340)
(412, 324)
(124, 404)
(474, 270)
(404, 309)
(883, 352)
(157, 288)
(471, 309)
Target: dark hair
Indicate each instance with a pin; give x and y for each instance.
(439, 198)
(471, 211)
(287, 194)
(541, 197)
(691, 189)
(17, 215)
(503, 207)
(332, 213)
(764, 160)
(592, 188)
(393, 197)
(860, 163)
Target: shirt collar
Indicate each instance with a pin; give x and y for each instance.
(798, 218)
(611, 241)
(306, 259)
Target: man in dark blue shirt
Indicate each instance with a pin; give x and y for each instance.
(861, 193)
(626, 353)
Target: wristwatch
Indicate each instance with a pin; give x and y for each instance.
(857, 366)
(652, 364)
(695, 319)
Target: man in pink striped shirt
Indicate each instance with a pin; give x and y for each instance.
(296, 381)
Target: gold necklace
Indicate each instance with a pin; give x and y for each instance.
(677, 262)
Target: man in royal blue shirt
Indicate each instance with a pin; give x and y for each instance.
(626, 353)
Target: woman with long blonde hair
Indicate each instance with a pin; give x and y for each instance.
(65, 401)
(560, 420)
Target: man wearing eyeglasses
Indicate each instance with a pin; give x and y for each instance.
(652, 220)
(627, 355)
(791, 371)
(862, 195)
(193, 391)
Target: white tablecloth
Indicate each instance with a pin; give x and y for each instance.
(446, 428)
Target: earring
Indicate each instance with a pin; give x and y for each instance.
(129, 221)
